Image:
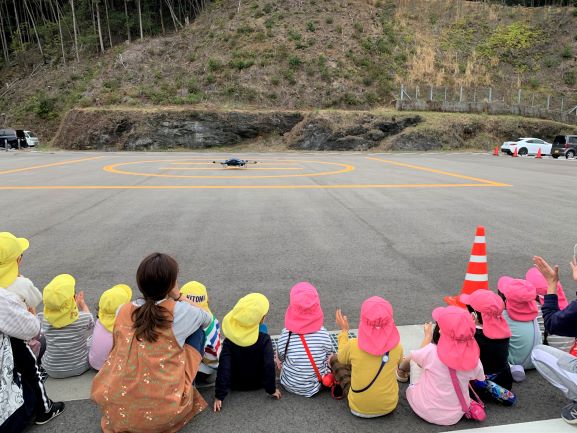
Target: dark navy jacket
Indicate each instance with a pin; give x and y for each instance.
(246, 368)
(559, 322)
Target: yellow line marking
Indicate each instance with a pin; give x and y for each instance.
(352, 186)
(218, 163)
(220, 168)
(54, 164)
(445, 173)
(113, 168)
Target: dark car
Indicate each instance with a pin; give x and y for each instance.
(12, 138)
(564, 145)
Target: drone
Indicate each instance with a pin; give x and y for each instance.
(234, 162)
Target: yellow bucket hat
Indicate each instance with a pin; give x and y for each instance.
(59, 304)
(241, 324)
(11, 248)
(109, 302)
(197, 293)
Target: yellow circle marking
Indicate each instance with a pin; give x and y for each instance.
(114, 168)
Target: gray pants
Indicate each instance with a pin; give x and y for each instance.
(558, 368)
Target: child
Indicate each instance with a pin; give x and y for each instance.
(109, 303)
(196, 292)
(67, 330)
(374, 357)
(17, 401)
(449, 350)
(492, 336)
(247, 360)
(520, 313)
(146, 384)
(304, 325)
(13, 249)
(25, 359)
(557, 367)
(535, 277)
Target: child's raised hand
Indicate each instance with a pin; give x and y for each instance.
(550, 274)
(277, 394)
(574, 268)
(80, 299)
(342, 321)
(428, 329)
(217, 405)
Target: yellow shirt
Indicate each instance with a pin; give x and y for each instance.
(382, 397)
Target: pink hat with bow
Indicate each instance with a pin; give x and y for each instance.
(521, 298)
(304, 313)
(491, 307)
(457, 347)
(535, 277)
(377, 331)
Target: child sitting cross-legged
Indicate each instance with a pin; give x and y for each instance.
(110, 302)
(198, 295)
(492, 336)
(67, 330)
(247, 359)
(521, 314)
(304, 346)
(23, 296)
(374, 357)
(441, 369)
(535, 277)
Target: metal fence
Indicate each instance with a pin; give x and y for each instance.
(489, 100)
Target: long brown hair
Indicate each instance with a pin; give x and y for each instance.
(156, 276)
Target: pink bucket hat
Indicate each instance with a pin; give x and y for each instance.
(377, 331)
(304, 313)
(535, 277)
(457, 347)
(491, 307)
(521, 298)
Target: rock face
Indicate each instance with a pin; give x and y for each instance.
(347, 132)
(132, 129)
(156, 130)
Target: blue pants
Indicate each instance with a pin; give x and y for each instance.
(197, 341)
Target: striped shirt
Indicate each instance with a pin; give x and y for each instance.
(67, 348)
(212, 347)
(297, 374)
(562, 343)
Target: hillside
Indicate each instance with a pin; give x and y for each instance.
(307, 54)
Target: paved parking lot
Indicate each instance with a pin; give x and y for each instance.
(354, 224)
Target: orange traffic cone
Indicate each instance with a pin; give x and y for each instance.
(515, 153)
(477, 276)
(539, 156)
(496, 151)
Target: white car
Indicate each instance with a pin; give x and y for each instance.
(31, 139)
(526, 146)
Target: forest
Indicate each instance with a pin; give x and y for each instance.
(56, 31)
(52, 31)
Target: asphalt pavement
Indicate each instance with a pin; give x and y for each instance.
(354, 224)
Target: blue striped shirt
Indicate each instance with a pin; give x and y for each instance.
(297, 374)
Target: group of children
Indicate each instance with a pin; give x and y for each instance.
(149, 352)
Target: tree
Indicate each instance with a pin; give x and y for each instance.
(75, 30)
